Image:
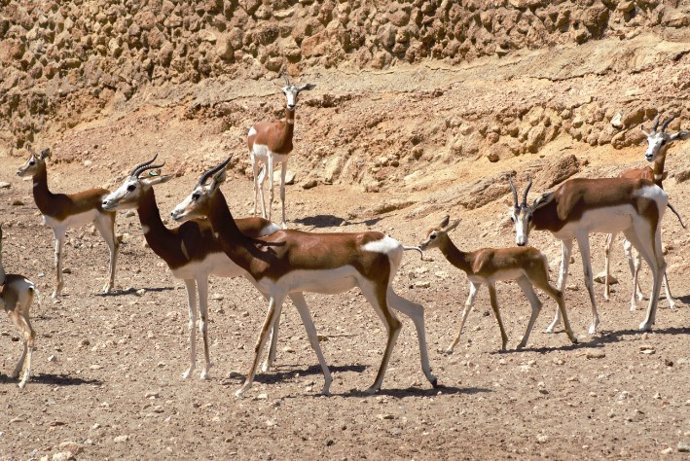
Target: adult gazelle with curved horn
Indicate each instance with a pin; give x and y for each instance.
(581, 206)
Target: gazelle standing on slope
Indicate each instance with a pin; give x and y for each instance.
(64, 211)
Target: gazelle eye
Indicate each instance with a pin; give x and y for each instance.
(512, 218)
(432, 236)
(131, 187)
(32, 162)
(195, 196)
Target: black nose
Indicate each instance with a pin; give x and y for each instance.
(522, 244)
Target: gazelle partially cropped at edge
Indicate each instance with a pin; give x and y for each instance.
(191, 251)
(291, 261)
(581, 206)
(526, 265)
(269, 143)
(16, 295)
(64, 211)
(658, 142)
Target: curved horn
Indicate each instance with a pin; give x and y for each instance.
(142, 167)
(667, 122)
(31, 150)
(210, 172)
(656, 123)
(524, 197)
(515, 194)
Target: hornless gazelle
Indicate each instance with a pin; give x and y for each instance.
(270, 142)
(64, 211)
(289, 261)
(658, 141)
(581, 206)
(16, 295)
(191, 251)
(526, 265)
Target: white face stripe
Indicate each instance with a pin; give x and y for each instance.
(655, 143)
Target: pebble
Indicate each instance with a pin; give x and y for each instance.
(62, 456)
(383, 416)
(595, 354)
(667, 451)
(684, 447)
(121, 438)
(4, 185)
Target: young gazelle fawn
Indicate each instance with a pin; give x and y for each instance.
(191, 251)
(16, 295)
(290, 261)
(526, 265)
(65, 211)
(658, 142)
(581, 206)
(269, 143)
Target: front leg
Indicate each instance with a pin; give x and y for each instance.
(474, 287)
(283, 172)
(190, 285)
(202, 283)
(59, 282)
(526, 285)
(583, 244)
(497, 313)
(566, 250)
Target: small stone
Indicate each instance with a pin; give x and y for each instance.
(262, 396)
(667, 451)
(70, 446)
(121, 438)
(17, 202)
(422, 284)
(4, 185)
(52, 358)
(310, 184)
(542, 438)
(595, 354)
(62, 456)
(657, 396)
(684, 447)
(383, 416)
(617, 121)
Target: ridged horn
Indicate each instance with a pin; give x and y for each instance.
(524, 197)
(515, 194)
(145, 166)
(210, 172)
(666, 123)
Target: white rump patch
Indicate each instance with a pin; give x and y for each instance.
(655, 193)
(269, 229)
(386, 245)
(252, 131)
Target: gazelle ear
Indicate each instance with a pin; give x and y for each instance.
(45, 153)
(218, 179)
(452, 225)
(153, 180)
(680, 135)
(444, 223)
(306, 86)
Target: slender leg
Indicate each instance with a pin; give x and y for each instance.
(59, 243)
(558, 297)
(651, 252)
(255, 170)
(669, 296)
(416, 313)
(29, 337)
(273, 346)
(270, 184)
(283, 172)
(474, 287)
(377, 298)
(105, 224)
(497, 313)
(202, 284)
(566, 250)
(274, 305)
(526, 286)
(634, 264)
(607, 271)
(301, 305)
(583, 243)
(191, 303)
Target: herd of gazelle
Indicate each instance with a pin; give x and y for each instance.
(283, 263)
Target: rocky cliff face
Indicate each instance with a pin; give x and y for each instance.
(60, 59)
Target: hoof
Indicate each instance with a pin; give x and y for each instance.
(434, 381)
(372, 390)
(644, 326)
(186, 374)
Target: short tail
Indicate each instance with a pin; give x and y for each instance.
(680, 220)
(421, 252)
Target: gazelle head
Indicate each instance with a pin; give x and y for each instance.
(521, 215)
(34, 163)
(658, 140)
(128, 194)
(436, 235)
(198, 203)
(292, 91)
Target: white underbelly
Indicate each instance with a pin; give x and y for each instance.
(261, 152)
(214, 264)
(75, 220)
(607, 220)
(330, 281)
(508, 274)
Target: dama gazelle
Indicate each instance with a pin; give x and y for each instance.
(270, 142)
(290, 261)
(16, 295)
(658, 142)
(526, 265)
(191, 251)
(64, 211)
(581, 206)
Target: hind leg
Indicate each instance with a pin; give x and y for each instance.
(283, 172)
(416, 313)
(607, 271)
(59, 244)
(106, 227)
(494, 306)
(583, 244)
(633, 259)
(566, 250)
(669, 296)
(651, 252)
(190, 285)
(526, 286)
(474, 287)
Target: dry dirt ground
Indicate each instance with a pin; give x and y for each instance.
(106, 374)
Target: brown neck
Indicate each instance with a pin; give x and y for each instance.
(165, 243)
(42, 195)
(658, 168)
(453, 254)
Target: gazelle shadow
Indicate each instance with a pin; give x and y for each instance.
(132, 291)
(272, 376)
(417, 391)
(59, 380)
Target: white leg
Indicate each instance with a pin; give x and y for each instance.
(191, 303)
(634, 265)
(301, 305)
(474, 287)
(270, 184)
(59, 244)
(526, 286)
(273, 345)
(669, 296)
(255, 170)
(283, 172)
(651, 252)
(274, 306)
(416, 313)
(583, 244)
(105, 225)
(607, 257)
(202, 284)
(566, 250)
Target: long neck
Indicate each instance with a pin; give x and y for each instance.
(658, 168)
(453, 254)
(235, 244)
(289, 125)
(42, 196)
(159, 237)
(2, 268)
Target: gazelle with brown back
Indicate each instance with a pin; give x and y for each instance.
(269, 143)
(191, 252)
(16, 295)
(290, 261)
(581, 206)
(526, 265)
(64, 211)
(658, 142)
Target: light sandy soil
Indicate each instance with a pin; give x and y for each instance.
(106, 374)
